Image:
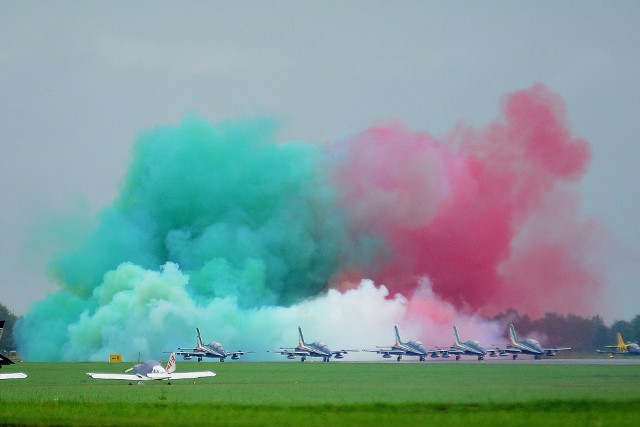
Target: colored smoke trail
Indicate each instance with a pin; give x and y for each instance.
(221, 226)
(494, 223)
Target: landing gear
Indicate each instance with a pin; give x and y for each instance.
(422, 358)
(303, 358)
(515, 356)
(222, 359)
(399, 358)
(480, 357)
(326, 359)
(457, 357)
(538, 357)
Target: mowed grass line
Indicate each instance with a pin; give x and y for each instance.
(245, 393)
(550, 413)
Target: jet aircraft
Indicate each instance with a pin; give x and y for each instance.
(6, 361)
(626, 349)
(152, 370)
(213, 350)
(408, 348)
(470, 348)
(528, 346)
(304, 350)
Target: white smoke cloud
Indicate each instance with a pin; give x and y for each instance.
(145, 312)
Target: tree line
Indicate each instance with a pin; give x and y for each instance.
(6, 343)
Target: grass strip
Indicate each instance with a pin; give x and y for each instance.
(576, 412)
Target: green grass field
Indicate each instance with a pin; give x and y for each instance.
(292, 393)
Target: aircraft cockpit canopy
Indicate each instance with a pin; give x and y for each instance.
(417, 344)
(532, 343)
(216, 346)
(475, 343)
(322, 346)
(158, 370)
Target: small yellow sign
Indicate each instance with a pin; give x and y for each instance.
(115, 358)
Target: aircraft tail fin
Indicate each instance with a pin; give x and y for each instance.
(398, 340)
(455, 335)
(512, 334)
(171, 365)
(622, 347)
(301, 336)
(198, 338)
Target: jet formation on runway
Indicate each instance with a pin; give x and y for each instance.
(399, 349)
(468, 348)
(153, 370)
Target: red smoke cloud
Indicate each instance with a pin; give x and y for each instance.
(489, 216)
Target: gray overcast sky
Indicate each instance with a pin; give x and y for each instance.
(79, 80)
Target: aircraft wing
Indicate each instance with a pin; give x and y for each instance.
(125, 377)
(450, 350)
(546, 350)
(342, 351)
(185, 350)
(191, 352)
(383, 350)
(186, 375)
(239, 353)
(200, 353)
(12, 376)
(497, 351)
(611, 352)
(152, 376)
(290, 352)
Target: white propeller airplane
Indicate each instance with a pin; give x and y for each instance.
(152, 370)
(6, 361)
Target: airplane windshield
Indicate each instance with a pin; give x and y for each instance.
(532, 342)
(158, 370)
(417, 344)
(216, 346)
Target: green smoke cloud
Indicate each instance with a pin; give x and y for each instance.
(207, 212)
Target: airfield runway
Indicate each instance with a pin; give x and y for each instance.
(522, 361)
(550, 361)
